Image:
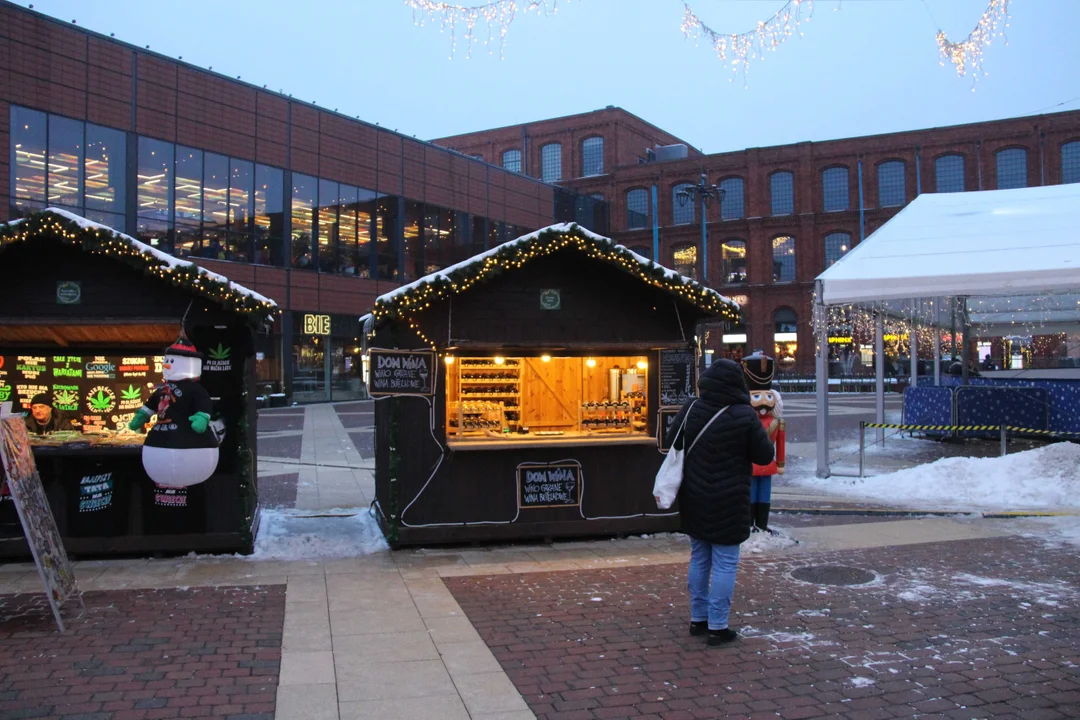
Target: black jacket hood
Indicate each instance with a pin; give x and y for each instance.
(723, 383)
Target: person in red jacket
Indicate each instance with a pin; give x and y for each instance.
(769, 406)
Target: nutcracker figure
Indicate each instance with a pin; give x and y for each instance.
(759, 370)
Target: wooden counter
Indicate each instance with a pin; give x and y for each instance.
(518, 442)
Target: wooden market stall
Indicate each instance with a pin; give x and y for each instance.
(522, 390)
(85, 317)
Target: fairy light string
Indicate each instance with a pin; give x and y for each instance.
(967, 54)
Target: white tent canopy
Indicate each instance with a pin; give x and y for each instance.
(1008, 259)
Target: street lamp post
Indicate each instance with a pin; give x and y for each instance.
(705, 192)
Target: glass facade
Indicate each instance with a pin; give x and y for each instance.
(782, 192)
(1011, 168)
(511, 160)
(637, 209)
(733, 260)
(835, 192)
(783, 255)
(327, 367)
(592, 156)
(551, 162)
(949, 173)
(785, 337)
(836, 246)
(682, 208)
(733, 204)
(1070, 162)
(890, 178)
(684, 260)
(67, 163)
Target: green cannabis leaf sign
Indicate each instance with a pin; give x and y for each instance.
(66, 397)
(220, 352)
(131, 393)
(101, 399)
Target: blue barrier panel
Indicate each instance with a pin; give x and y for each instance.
(928, 406)
(996, 405)
(1063, 397)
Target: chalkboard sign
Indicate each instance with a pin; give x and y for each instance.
(542, 485)
(665, 430)
(676, 376)
(400, 372)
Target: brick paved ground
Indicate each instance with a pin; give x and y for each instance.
(144, 655)
(963, 629)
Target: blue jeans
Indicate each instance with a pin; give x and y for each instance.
(761, 489)
(711, 582)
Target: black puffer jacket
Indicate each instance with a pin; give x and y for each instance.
(714, 498)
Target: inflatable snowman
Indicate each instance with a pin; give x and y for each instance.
(180, 450)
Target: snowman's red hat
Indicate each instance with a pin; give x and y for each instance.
(183, 348)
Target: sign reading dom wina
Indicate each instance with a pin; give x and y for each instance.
(549, 484)
(400, 372)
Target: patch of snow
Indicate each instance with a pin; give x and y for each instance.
(289, 535)
(1043, 478)
(862, 681)
(597, 599)
(761, 542)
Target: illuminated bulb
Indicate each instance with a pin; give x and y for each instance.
(449, 359)
(545, 358)
(591, 362)
(642, 364)
(499, 360)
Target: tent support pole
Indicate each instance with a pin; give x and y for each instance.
(879, 372)
(821, 328)
(966, 344)
(937, 342)
(913, 343)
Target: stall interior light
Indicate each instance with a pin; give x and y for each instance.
(591, 362)
(499, 359)
(642, 364)
(449, 359)
(545, 358)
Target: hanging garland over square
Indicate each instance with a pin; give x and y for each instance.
(99, 239)
(512, 255)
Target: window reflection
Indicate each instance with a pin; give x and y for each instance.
(637, 208)
(1011, 168)
(782, 192)
(387, 238)
(733, 257)
(949, 173)
(155, 193)
(28, 133)
(414, 249)
(303, 208)
(241, 209)
(783, 254)
(834, 189)
(511, 160)
(365, 219)
(106, 155)
(551, 162)
(891, 192)
(685, 260)
(348, 203)
(837, 245)
(215, 206)
(592, 156)
(269, 227)
(188, 202)
(328, 226)
(682, 204)
(733, 204)
(65, 161)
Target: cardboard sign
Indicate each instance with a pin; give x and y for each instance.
(677, 381)
(36, 516)
(545, 485)
(401, 372)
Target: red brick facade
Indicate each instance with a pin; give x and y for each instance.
(1042, 137)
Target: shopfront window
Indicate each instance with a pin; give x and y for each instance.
(155, 193)
(733, 340)
(684, 260)
(494, 398)
(29, 130)
(327, 367)
(733, 259)
(309, 359)
(305, 189)
(785, 337)
(241, 210)
(269, 226)
(328, 226)
(104, 183)
(783, 259)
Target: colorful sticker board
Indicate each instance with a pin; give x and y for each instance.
(36, 516)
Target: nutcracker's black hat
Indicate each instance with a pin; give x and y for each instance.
(759, 370)
(183, 348)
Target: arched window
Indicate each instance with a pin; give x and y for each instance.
(733, 257)
(949, 173)
(682, 208)
(551, 162)
(733, 206)
(1011, 168)
(837, 245)
(1070, 162)
(834, 189)
(782, 192)
(785, 336)
(637, 209)
(592, 156)
(511, 160)
(783, 259)
(643, 251)
(890, 184)
(684, 260)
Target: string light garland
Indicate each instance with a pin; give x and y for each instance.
(498, 14)
(968, 52)
(404, 303)
(100, 240)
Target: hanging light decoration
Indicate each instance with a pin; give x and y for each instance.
(968, 52)
(496, 15)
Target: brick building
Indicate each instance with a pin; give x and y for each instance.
(319, 211)
(788, 212)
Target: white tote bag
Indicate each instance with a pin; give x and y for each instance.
(669, 477)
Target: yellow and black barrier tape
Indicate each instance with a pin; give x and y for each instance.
(1049, 433)
(973, 428)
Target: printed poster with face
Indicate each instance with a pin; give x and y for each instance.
(36, 516)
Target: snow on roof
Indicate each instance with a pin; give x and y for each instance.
(477, 261)
(989, 243)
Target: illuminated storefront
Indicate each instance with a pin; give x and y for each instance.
(785, 337)
(326, 363)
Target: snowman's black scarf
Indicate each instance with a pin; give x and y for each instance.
(175, 402)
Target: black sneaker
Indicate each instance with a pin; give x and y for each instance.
(722, 637)
(699, 628)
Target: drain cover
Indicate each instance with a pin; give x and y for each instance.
(833, 575)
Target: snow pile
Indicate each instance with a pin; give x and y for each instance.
(296, 535)
(763, 542)
(1046, 478)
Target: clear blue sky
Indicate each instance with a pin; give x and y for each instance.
(861, 67)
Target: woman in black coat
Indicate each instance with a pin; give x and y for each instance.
(714, 498)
